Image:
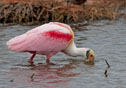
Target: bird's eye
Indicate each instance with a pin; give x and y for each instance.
(91, 55)
(87, 54)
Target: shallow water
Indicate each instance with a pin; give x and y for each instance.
(106, 38)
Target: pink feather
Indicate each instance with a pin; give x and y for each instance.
(49, 39)
(41, 42)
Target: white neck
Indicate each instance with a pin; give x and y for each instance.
(72, 50)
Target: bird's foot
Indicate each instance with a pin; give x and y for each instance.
(49, 63)
(31, 62)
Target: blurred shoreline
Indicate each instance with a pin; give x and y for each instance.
(42, 11)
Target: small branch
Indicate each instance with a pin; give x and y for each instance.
(12, 80)
(32, 79)
(105, 73)
(108, 66)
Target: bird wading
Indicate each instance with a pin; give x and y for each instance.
(49, 39)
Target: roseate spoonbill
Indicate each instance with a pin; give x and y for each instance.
(77, 2)
(49, 39)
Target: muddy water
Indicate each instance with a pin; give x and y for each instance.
(106, 38)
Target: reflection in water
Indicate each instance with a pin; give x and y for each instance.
(42, 75)
(108, 41)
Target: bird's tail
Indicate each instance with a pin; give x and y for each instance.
(16, 43)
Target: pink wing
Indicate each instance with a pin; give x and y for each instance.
(47, 41)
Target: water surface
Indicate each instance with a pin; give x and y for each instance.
(106, 38)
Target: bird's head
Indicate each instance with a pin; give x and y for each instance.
(89, 55)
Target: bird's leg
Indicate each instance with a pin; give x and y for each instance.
(48, 58)
(31, 58)
(48, 61)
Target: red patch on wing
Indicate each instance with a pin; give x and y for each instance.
(59, 35)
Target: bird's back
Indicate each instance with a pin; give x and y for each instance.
(49, 37)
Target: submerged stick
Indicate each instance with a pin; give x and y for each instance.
(105, 73)
(32, 79)
(108, 66)
(107, 63)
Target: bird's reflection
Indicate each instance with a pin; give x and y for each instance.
(45, 76)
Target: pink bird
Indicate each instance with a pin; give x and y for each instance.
(49, 39)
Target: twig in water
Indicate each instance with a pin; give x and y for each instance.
(106, 75)
(12, 80)
(107, 63)
(108, 66)
(32, 77)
